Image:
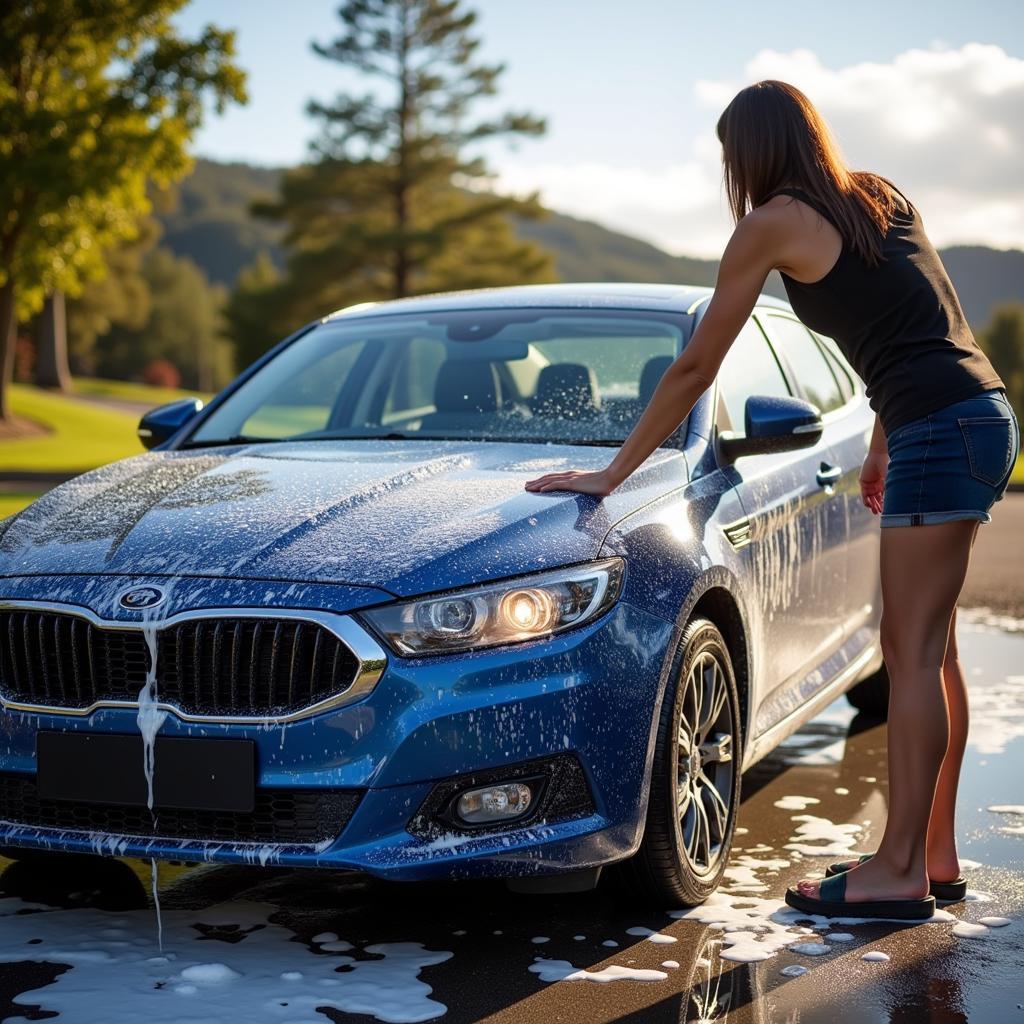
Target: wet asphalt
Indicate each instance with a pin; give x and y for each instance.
(933, 975)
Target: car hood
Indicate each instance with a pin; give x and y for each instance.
(406, 517)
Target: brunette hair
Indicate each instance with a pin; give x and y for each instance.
(772, 135)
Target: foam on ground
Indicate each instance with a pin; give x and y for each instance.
(117, 976)
(562, 970)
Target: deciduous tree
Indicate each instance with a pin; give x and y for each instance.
(97, 100)
(1003, 341)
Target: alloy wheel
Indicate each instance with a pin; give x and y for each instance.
(705, 765)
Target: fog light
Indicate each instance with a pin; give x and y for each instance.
(494, 803)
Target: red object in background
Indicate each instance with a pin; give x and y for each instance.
(161, 373)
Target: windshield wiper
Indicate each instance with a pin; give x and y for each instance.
(217, 442)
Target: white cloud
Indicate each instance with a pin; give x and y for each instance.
(945, 124)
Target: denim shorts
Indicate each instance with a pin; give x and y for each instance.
(954, 463)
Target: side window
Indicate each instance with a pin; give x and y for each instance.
(303, 402)
(749, 368)
(412, 385)
(842, 369)
(807, 361)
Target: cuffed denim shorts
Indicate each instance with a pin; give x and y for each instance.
(954, 463)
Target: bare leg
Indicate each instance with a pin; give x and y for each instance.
(942, 860)
(923, 570)
(943, 863)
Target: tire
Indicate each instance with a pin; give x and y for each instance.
(871, 695)
(677, 863)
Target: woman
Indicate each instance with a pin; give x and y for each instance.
(859, 268)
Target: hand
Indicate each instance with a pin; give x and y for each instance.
(573, 480)
(872, 480)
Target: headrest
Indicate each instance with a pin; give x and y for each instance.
(567, 390)
(466, 385)
(654, 369)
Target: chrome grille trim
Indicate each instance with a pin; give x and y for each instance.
(369, 654)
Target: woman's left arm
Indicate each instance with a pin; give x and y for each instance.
(750, 255)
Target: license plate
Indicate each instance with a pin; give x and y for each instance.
(199, 773)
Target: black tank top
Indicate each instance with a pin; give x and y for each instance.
(899, 324)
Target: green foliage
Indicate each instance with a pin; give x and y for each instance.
(255, 315)
(183, 325)
(97, 100)
(393, 205)
(121, 297)
(1003, 342)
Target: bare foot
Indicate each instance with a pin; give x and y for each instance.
(944, 867)
(873, 880)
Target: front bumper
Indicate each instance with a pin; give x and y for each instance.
(590, 694)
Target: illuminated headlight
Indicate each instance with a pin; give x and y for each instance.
(500, 613)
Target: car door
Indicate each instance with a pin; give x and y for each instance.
(851, 427)
(792, 548)
(836, 467)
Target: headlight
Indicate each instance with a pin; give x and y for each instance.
(499, 613)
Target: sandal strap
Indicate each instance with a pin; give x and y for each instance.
(833, 888)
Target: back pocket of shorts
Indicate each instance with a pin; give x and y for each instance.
(990, 444)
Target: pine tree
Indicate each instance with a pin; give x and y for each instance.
(392, 204)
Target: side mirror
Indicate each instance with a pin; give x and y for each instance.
(773, 425)
(163, 422)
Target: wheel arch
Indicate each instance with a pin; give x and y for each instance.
(719, 606)
(714, 597)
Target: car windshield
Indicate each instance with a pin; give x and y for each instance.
(575, 376)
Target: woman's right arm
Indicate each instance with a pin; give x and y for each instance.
(872, 473)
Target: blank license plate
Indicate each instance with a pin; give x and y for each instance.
(190, 771)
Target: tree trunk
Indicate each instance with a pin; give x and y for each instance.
(52, 351)
(8, 336)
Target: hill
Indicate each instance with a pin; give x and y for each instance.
(212, 225)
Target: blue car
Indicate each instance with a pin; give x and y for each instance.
(322, 623)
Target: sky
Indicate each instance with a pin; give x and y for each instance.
(930, 94)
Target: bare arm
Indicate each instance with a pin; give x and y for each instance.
(878, 445)
(872, 473)
(749, 256)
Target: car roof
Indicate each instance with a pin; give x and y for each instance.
(678, 298)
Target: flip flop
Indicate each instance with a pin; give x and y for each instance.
(947, 892)
(833, 903)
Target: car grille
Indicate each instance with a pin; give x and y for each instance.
(222, 666)
(284, 816)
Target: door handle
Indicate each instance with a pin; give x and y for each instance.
(828, 475)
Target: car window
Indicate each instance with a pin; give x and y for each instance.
(507, 374)
(749, 368)
(412, 383)
(842, 369)
(303, 401)
(807, 361)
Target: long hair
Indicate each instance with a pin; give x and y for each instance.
(772, 135)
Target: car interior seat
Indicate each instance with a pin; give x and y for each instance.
(566, 391)
(466, 391)
(654, 369)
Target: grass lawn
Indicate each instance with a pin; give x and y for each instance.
(126, 391)
(1017, 476)
(81, 437)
